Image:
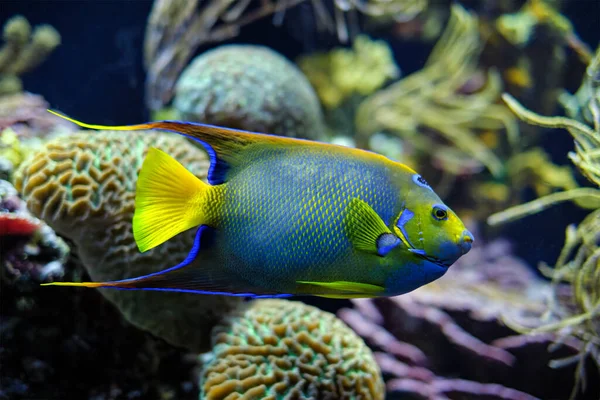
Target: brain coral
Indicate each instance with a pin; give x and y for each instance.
(249, 87)
(280, 349)
(83, 186)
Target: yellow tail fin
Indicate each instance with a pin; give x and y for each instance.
(168, 200)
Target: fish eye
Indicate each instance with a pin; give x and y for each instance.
(439, 213)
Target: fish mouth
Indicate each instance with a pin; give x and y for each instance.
(438, 261)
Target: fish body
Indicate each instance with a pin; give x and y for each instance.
(284, 216)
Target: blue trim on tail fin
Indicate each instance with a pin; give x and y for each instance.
(190, 257)
(216, 169)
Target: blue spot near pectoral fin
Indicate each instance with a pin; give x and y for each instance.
(196, 274)
(386, 243)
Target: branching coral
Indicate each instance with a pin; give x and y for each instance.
(249, 87)
(579, 262)
(23, 51)
(518, 28)
(453, 328)
(444, 97)
(83, 186)
(341, 73)
(288, 350)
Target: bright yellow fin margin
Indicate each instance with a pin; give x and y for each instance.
(79, 284)
(347, 290)
(168, 200)
(102, 127)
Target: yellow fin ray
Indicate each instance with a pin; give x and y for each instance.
(78, 284)
(168, 200)
(366, 230)
(347, 289)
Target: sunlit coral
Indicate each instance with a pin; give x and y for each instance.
(342, 72)
(83, 186)
(288, 350)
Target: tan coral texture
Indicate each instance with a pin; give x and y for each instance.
(83, 186)
(279, 349)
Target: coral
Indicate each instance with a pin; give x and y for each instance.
(586, 156)
(83, 186)
(340, 73)
(26, 114)
(518, 28)
(30, 251)
(454, 327)
(448, 96)
(176, 28)
(537, 51)
(577, 315)
(288, 350)
(579, 106)
(249, 87)
(23, 51)
(24, 124)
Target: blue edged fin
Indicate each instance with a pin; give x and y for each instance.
(192, 275)
(367, 231)
(225, 146)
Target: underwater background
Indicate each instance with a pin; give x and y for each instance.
(419, 81)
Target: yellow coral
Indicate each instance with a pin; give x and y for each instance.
(436, 99)
(342, 72)
(10, 148)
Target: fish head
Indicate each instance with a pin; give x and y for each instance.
(429, 228)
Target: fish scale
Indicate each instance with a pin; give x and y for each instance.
(315, 205)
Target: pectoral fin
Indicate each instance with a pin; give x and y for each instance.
(367, 231)
(344, 289)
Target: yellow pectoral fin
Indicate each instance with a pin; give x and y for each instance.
(366, 230)
(167, 200)
(346, 289)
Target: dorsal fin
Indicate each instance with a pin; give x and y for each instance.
(225, 145)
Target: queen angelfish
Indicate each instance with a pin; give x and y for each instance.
(281, 217)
